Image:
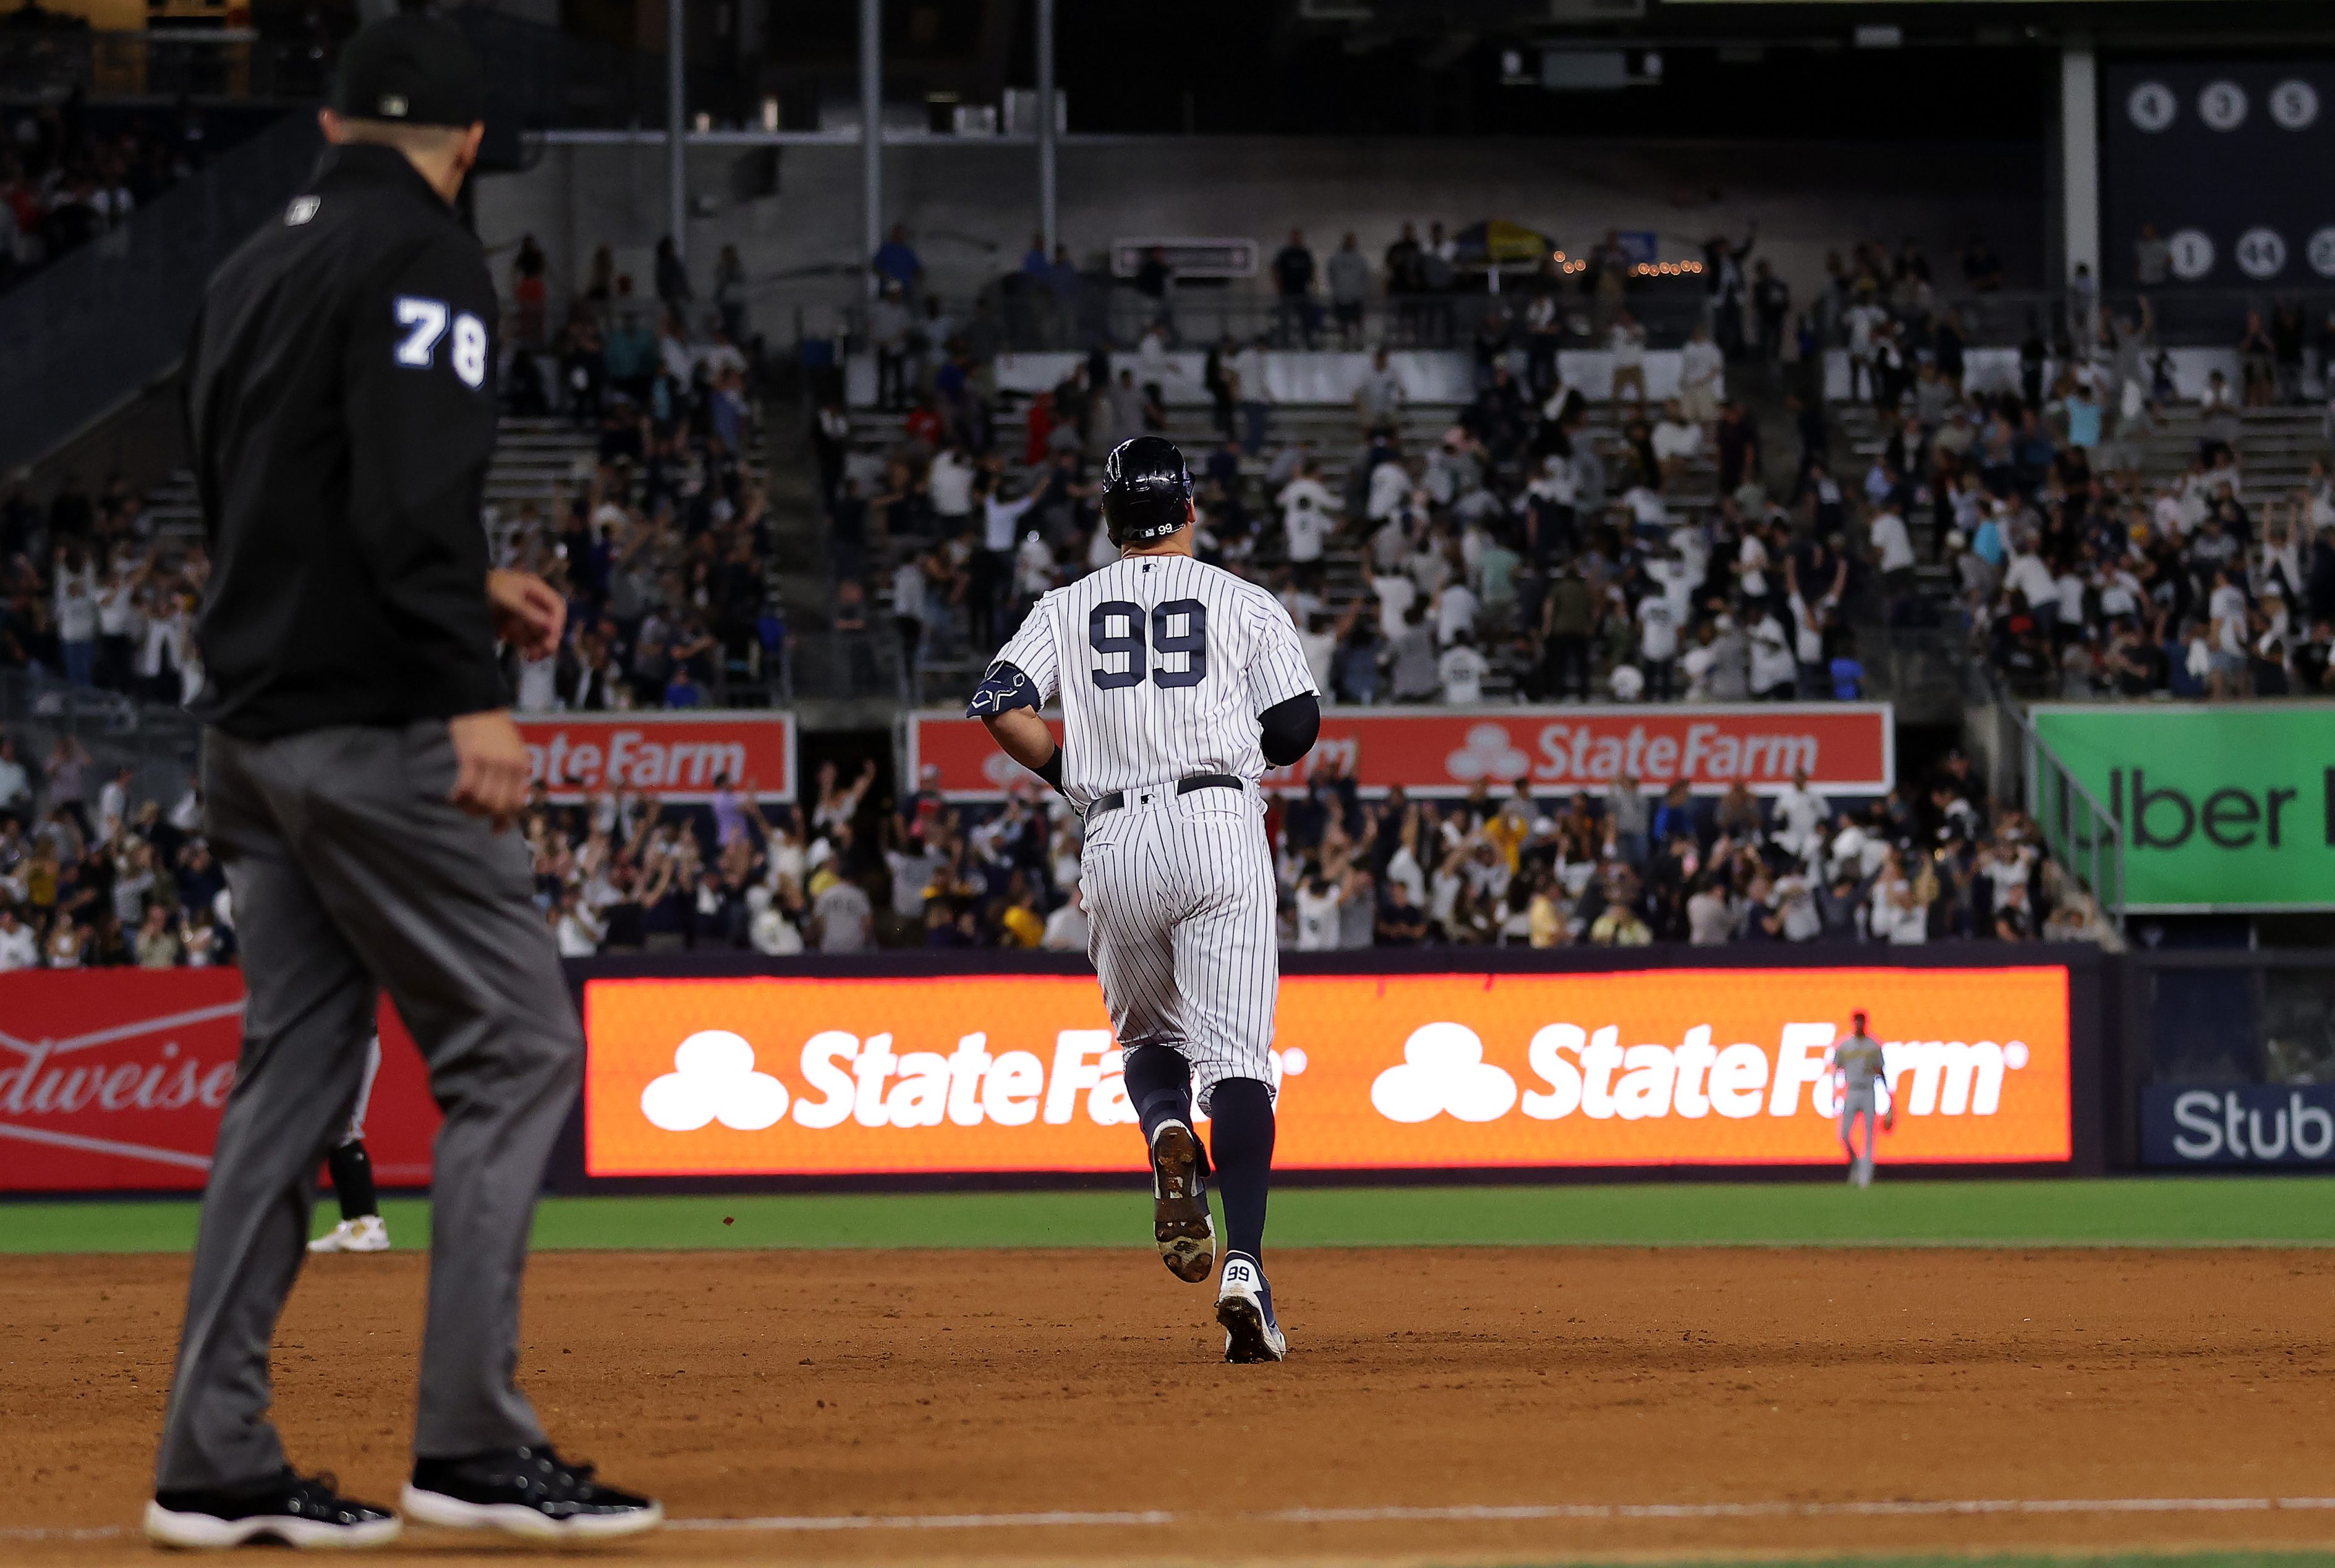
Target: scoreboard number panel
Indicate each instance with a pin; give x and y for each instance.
(2323, 252)
(2223, 159)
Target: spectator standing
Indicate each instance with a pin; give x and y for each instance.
(895, 263)
(1252, 395)
(1349, 289)
(672, 277)
(1293, 284)
(1626, 343)
(1702, 368)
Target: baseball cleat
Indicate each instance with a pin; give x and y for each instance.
(292, 1510)
(529, 1492)
(1179, 1204)
(1244, 1307)
(366, 1233)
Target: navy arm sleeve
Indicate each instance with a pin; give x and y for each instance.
(1291, 729)
(421, 385)
(1005, 687)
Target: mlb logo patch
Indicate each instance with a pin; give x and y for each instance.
(393, 106)
(302, 209)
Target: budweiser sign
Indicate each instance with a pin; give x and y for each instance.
(114, 1080)
(679, 757)
(1844, 747)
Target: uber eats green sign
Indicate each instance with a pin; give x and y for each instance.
(2220, 805)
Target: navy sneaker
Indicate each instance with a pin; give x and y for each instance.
(530, 1492)
(291, 1509)
(1179, 1205)
(1244, 1307)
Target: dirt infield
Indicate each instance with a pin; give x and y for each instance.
(1626, 1401)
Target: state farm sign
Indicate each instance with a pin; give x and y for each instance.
(1846, 746)
(679, 756)
(1011, 1074)
(115, 1079)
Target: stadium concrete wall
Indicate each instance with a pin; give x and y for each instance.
(971, 207)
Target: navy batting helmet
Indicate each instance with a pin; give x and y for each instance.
(1146, 490)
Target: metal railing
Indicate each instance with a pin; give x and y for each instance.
(539, 76)
(233, 62)
(2079, 832)
(97, 326)
(2180, 317)
(1031, 317)
(162, 744)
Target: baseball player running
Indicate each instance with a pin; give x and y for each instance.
(1857, 1068)
(1180, 683)
(360, 1229)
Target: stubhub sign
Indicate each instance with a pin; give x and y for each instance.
(1003, 1074)
(2253, 1123)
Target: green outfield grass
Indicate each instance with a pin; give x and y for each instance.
(2171, 1211)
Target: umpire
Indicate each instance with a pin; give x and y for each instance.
(360, 772)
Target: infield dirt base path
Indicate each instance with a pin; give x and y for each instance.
(901, 1383)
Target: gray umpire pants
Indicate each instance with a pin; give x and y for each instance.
(350, 872)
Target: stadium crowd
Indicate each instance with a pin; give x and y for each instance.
(1521, 552)
(67, 180)
(662, 552)
(2079, 575)
(847, 871)
(92, 877)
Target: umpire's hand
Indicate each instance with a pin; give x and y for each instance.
(530, 614)
(491, 777)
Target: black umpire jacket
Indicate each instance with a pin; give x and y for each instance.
(341, 409)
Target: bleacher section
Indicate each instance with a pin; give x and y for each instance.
(1336, 435)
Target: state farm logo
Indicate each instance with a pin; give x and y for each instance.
(662, 757)
(1489, 753)
(1443, 1073)
(716, 1078)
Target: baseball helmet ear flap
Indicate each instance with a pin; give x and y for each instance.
(1146, 490)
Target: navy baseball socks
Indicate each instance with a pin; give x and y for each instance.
(360, 1229)
(1241, 1112)
(1160, 1086)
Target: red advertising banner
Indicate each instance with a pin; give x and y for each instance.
(678, 756)
(114, 1080)
(1846, 747)
(1008, 1074)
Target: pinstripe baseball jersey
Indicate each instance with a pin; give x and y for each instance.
(1162, 665)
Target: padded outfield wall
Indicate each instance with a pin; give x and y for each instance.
(732, 1071)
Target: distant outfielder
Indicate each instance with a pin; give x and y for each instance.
(1180, 683)
(360, 1229)
(1858, 1069)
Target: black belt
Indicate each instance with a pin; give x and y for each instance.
(1118, 797)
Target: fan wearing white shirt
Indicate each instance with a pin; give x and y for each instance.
(1306, 517)
(1773, 667)
(1893, 552)
(1658, 633)
(1627, 344)
(1462, 669)
(1703, 369)
(949, 480)
(1455, 612)
(20, 948)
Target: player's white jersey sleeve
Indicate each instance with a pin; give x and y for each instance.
(1036, 652)
(1277, 668)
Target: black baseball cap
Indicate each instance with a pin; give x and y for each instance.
(411, 70)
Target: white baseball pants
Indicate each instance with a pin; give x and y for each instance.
(1180, 894)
